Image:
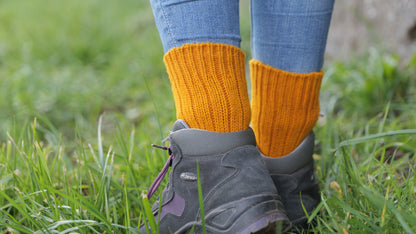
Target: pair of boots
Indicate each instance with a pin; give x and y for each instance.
(243, 191)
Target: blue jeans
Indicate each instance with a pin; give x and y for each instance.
(286, 34)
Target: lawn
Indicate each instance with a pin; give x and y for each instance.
(84, 94)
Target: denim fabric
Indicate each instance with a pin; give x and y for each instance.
(286, 34)
(290, 34)
(190, 21)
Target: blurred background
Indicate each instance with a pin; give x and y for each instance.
(359, 24)
(66, 62)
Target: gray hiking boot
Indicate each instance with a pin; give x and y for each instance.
(238, 193)
(294, 178)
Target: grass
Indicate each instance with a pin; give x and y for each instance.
(65, 63)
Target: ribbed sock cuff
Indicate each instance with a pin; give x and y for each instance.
(209, 86)
(285, 107)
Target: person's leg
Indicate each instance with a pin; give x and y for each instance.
(206, 69)
(201, 40)
(189, 21)
(288, 45)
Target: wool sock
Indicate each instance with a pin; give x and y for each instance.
(285, 107)
(209, 86)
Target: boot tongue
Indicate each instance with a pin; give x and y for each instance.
(179, 124)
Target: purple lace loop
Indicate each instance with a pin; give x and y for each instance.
(162, 173)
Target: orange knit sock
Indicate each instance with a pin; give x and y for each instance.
(285, 107)
(209, 86)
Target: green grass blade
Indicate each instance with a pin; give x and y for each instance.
(201, 200)
(148, 213)
(364, 139)
(100, 142)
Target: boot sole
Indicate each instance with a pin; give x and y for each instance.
(255, 214)
(269, 224)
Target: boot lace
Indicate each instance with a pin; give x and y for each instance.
(164, 170)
